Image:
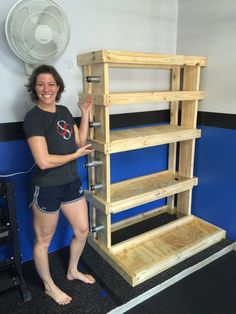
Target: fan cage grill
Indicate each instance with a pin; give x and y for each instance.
(37, 13)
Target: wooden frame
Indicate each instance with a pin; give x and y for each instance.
(167, 245)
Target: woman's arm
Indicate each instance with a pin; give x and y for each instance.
(81, 133)
(44, 160)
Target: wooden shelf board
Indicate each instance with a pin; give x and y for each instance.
(137, 191)
(121, 224)
(142, 97)
(127, 58)
(174, 243)
(136, 138)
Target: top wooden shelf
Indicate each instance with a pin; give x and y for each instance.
(126, 59)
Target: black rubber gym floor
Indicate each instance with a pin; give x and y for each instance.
(211, 289)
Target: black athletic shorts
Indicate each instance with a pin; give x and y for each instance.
(49, 199)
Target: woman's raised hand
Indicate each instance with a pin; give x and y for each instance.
(85, 106)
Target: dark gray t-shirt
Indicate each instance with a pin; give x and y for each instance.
(58, 130)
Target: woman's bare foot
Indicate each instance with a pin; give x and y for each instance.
(80, 276)
(58, 295)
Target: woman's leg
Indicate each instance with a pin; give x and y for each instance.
(77, 215)
(44, 227)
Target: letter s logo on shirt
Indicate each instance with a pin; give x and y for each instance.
(64, 129)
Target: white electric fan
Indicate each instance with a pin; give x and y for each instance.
(37, 31)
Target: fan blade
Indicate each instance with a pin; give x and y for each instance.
(54, 11)
(29, 30)
(41, 52)
(30, 43)
(52, 17)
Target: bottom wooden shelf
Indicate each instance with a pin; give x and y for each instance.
(155, 251)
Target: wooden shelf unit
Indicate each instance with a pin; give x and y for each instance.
(167, 245)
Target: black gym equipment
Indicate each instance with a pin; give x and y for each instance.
(10, 269)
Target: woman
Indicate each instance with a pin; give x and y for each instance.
(56, 142)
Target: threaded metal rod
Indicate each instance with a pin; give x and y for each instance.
(93, 79)
(93, 163)
(94, 124)
(95, 187)
(97, 228)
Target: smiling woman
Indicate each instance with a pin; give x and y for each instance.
(56, 142)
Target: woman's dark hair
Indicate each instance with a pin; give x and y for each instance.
(44, 69)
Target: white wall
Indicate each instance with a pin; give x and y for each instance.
(134, 25)
(208, 28)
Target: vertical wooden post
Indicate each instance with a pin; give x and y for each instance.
(101, 112)
(187, 148)
(104, 236)
(174, 115)
(101, 173)
(98, 218)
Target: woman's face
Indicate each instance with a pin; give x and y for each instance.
(46, 89)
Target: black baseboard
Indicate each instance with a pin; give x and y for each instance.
(11, 131)
(219, 120)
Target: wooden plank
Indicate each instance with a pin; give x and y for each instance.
(125, 140)
(99, 113)
(104, 235)
(149, 235)
(176, 257)
(93, 57)
(137, 138)
(92, 217)
(139, 58)
(102, 176)
(102, 132)
(86, 70)
(191, 81)
(98, 218)
(102, 71)
(88, 90)
(141, 190)
(179, 240)
(138, 218)
(144, 97)
(97, 201)
(140, 66)
(100, 146)
(153, 58)
(171, 247)
(110, 258)
(174, 117)
(131, 98)
(175, 86)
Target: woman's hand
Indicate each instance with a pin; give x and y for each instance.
(85, 150)
(86, 106)
(44, 160)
